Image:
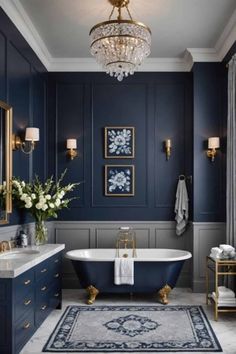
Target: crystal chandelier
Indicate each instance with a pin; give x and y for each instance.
(120, 46)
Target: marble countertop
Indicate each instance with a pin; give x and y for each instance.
(12, 267)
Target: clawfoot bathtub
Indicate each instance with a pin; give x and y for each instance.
(154, 270)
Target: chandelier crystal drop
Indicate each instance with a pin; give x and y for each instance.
(120, 46)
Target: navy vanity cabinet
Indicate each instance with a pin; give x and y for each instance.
(26, 301)
(5, 316)
(47, 279)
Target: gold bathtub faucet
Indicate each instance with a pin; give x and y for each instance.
(126, 239)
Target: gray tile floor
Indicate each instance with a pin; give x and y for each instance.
(225, 328)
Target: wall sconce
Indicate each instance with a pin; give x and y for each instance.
(168, 148)
(27, 146)
(71, 145)
(213, 144)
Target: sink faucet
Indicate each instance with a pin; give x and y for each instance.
(5, 245)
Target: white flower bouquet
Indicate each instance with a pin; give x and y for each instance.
(43, 200)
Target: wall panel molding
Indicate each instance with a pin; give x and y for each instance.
(109, 120)
(66, 129)
(23, 85)
(205, 236)
(110, 103)
(169, 123)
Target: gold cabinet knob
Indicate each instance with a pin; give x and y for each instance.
(27, 302)
(56, 275)
(44, 288)
(26, 325)
(27, 282)
(44, 270)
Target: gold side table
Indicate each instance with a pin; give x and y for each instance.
(219, 267)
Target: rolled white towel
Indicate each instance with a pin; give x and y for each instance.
(225, 293)
(216, 252)
(232, 254)
(227, 248)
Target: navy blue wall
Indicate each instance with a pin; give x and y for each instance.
(210, 117)
(23, 86)
(186, 107)
(158, 105)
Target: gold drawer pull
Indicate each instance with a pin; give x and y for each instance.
(44, 307)
(27, 325)
(56, 295)
(56, 275)
(44, 288)
(56, 261)
(44, 270)
(27, 282)
(27, 302)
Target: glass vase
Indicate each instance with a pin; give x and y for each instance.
(41, 233)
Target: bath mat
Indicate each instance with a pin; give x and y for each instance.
(133, 329)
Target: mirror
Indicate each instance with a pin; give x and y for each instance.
(5, 161)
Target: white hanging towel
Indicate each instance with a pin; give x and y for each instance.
(181, 207)
(124, 271)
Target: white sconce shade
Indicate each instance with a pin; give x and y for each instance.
(32, 134)
(71, 144)
(213, 143)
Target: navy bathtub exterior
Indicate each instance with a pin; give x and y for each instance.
(148, 276)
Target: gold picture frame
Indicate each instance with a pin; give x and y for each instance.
(7, 113)
(123, 151)
(113, 189)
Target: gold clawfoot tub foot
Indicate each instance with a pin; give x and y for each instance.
(92, 294)
(163, 294)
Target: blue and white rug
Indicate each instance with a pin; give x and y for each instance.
(133, 329)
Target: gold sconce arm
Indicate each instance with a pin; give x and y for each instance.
(18, 144)
(211, 154)
(27, 146)
(72, 153)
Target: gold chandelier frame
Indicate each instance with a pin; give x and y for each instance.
(134, 30)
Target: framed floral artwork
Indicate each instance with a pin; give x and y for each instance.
(119, 142)
(119, 180)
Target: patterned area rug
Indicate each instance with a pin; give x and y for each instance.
(133, 329)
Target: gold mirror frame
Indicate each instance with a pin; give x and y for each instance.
(8, 159)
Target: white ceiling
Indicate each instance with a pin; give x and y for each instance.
(58, 30)
(176, 24)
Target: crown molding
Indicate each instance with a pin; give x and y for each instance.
(227, 38)
(20, 18)
(195, 55)
(90, 65)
